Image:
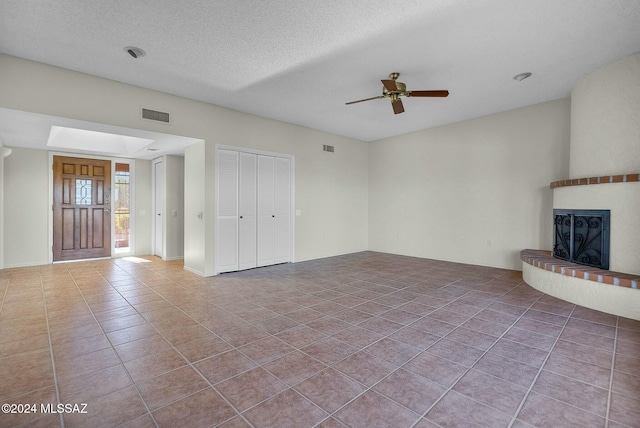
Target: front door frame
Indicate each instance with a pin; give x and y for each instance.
(113, 160)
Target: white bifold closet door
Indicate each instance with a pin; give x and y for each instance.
(266, 214)
(254, 210)
(227, 210)
(247, 203)
(274, 210)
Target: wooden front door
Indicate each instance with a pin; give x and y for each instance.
(81, 208)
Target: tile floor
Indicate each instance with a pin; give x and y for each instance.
(360, 340)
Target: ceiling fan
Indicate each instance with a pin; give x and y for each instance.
(394, 90)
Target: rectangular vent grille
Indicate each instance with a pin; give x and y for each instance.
(158, 116)
(328, 148)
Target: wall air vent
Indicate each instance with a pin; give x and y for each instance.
(158, 116)
(328, 148)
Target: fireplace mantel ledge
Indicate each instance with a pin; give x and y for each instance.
(607, 291)
(606, 179)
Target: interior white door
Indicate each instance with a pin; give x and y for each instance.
(158, 202)
(266, 212)
(226, 252)
(282, 210)
(247, 209)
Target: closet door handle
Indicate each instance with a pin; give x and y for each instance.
(273, 216)
(241, 217)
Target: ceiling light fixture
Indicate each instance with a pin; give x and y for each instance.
(520, 77)
(134, 51)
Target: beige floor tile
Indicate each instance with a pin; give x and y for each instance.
(362, 339)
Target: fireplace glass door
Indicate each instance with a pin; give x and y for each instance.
(582, 236)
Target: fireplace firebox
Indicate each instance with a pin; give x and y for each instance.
(582, 236)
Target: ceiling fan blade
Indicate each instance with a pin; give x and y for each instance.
(427, 93)
(366, 99)
(397, 106)
(390, 85)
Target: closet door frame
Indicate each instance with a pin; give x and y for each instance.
(291, 158)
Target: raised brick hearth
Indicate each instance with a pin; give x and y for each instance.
(544, 260)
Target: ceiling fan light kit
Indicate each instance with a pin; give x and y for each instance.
(393, 90)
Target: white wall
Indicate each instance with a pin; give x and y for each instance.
(143, 208)
(26, 208)
(173, 235)
(331, 190)
(605, 121)
(474, 192)
(194, 200)
(605, 140)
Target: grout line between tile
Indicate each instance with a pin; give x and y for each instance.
(369, 388)
(535, 379)
(613, 362)
(108, 340)
(479, 358)
(189, 363)
(53, 363)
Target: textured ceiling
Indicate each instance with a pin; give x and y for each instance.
(299, 61)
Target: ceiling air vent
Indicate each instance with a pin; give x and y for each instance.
(158, 116)
(327, 148)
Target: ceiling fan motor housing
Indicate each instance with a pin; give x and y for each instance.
(401, 89)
